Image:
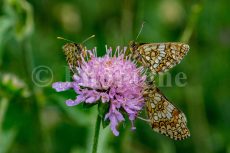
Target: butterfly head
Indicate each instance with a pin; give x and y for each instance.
(133, 46)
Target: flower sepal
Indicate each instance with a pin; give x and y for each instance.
(105, 123)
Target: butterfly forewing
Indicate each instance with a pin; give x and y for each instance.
(159, 57)
(164, 117)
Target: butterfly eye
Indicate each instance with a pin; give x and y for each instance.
(133, 45)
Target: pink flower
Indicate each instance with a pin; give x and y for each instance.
(111, 79)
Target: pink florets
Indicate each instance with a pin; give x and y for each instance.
(112, 79)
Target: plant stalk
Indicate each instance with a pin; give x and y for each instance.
(4, 102)
(96, 134)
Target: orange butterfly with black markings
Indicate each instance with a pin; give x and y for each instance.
(163, 116)
(74, 52)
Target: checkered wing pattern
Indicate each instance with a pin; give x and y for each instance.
(73, 54)
(164, 117)
(160, 57)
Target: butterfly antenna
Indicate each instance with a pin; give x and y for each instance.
(143, 119)
(65, 39)
(142, 25)
(88, 39)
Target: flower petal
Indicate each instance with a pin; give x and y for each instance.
(104, 97)
(133, 127)
(79, 99)
(90, 100)
(62, 86)
(115, 117)
(70, 102)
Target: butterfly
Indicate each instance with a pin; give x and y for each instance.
(158, 57)
(164, 117)
(74, 52)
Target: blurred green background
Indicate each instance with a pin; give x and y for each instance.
(35, 119)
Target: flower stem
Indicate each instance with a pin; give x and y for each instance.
(96, 134)
(3, 108)
(195, 12)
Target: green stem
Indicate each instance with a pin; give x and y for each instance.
(35, 107)
(195, 12)
(3, 107)
(96, 134)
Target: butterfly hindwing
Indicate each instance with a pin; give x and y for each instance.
(164, 117)
(159, 57)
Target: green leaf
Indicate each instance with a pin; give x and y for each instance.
(103, 109)
(105, 123)
(82, 118)
(8, 138)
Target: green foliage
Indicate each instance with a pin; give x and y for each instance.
(87, 105)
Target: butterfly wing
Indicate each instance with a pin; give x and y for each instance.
(73, 53)
(160, 57)
(164, 117)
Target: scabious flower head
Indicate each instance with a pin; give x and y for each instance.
(112, 79)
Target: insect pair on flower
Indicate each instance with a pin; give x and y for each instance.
(115, 80)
